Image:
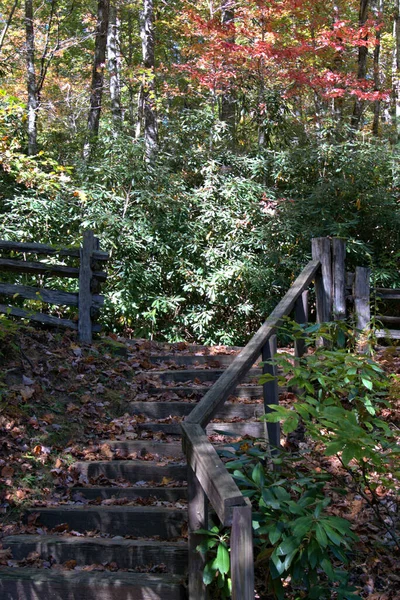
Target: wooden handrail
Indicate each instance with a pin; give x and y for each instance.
(208, 476)
(225, 385)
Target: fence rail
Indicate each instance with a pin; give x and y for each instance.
(90, 275)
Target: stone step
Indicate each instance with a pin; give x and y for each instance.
(137, 521)
(48, 584)
(198, 391)
(144, 447)
(128, 554)
(163, 410)
(254, 429)
(132, 470)
(166, 494)
(180, 375)
(216, 361)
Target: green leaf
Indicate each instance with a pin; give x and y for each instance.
(258, 475)
(222, 562)
(367, 382)
(321, 536)
(209, 573)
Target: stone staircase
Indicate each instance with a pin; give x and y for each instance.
(121, 533)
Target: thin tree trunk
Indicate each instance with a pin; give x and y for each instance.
(362, 67)
(396, 70)
(114, 66)
(97, 84)
(228, 104)
(377, 71)
(8, 23)
(147, 111)
(33, 100)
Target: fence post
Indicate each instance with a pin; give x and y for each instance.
(242, 562)
(197, 519)
(362, 303)
(339, 278)
(85, 292)
(271, 391)
(301, 317)
(321, 250)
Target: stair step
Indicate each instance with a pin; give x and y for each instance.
(132, 470)
(200, 374)
(163, 410)
(144, 447)
(390, 320)
(138, 521)
(213, 360)
(255, 429)
(128, 554)
(41, 584)
(393, 334)
(173, 494)
(245, 392)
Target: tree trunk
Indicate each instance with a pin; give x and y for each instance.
(96, 93)
(396, 70)
(362, 67)
(8, 23)
(228, 104)
(114, 66)
(377, 71)
(147, 111)
(33, 101)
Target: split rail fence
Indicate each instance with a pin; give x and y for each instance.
(89, 273)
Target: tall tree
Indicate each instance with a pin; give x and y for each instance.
(378, 9)
(147, 111)
(33, 95)
(114, 66)
(362, 64)
(396, 69)
(228, 105)
(97, 83)
(8, 23)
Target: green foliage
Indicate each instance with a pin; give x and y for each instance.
(216, 570)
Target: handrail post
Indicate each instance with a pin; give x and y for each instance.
(242, 565)
(301, 317)
(271, 391)
(339, 278)
(197, 519)
(362, 304)
(85, 292)
(321, 250)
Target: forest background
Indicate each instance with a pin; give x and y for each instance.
(205, 143)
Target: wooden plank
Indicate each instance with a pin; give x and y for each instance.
(36, 268)
(271, 392)
(389, 320)
(388, 294)
(44, 249)
(235, 429)
(131, 470)
(217, 483)
(128, 554)
(226, 384)
(197, 519)
(362, 307)
(163, 410)
(37, 317)
(301, 317)
(172, 494)
(242, 560)
(321, 250)
(45, 295)
(390, 334)
(53, 584)
(339, 278)
(85, 293)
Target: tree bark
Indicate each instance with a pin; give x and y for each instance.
(228, 104)
(33, 99)
(97, 84)
(396, 70)
(377, 71)
(114, 66)
(362, 66)
(147, 111)
(8, 23)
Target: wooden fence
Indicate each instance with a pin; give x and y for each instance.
(88, 300)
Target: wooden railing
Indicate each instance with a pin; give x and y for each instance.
(208, 478)
(89, 274)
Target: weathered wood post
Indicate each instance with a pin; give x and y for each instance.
(361, 293)
(197, 519)
(321, 250)
(301, 317)
(270, 390)
(339, 278)
(85, 291)
(242, 561)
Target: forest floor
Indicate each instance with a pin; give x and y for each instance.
(59, 399)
